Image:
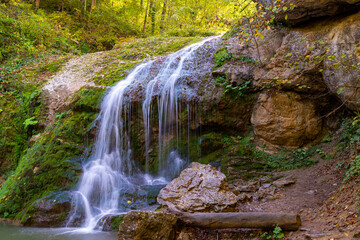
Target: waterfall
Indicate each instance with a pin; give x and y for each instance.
(111, 172)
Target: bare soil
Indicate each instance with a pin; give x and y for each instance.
(327, 205)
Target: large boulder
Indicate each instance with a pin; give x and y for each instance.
(306, 10)
(199, 188)
(50, 211)
(139, 225)
(285, 119)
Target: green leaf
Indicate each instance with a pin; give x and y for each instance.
(340, 90)
(30, 121)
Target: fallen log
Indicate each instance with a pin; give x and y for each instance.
(287, 222)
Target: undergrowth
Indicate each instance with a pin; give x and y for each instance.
(350, 142)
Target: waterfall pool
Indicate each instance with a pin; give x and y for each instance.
(9, 232)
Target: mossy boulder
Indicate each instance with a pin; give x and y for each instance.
(50, 211)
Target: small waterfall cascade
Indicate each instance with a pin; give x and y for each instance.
(111, 171)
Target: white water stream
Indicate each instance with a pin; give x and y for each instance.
(112, 169)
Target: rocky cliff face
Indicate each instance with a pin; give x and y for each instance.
(310, 72)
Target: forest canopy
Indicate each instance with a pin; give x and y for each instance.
(93, 25)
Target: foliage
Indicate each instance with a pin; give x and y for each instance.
(277, 234)
(244, 59)
(234, 91)
(350, 141)
(252, 27)
(249, 157)
(221, 56)
(49, 164)
(26, 34)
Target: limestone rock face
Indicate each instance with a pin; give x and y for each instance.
(339, 37)
(306, 10)
(74, 75)
(344, 82)
(139, 225)
(284, 119)
(199, 188)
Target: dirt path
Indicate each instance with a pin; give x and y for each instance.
(328, 208)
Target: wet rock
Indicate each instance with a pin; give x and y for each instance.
(283, 182)
(138, 197)
(285, 119)
(210, 143)
(112, 223)
(50, 211)
(199, 188)
(139, 225)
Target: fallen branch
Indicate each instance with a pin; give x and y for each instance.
(287, 222)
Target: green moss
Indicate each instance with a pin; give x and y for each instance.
(136, 49)
(116, 221)
(87, 99)
(52, 163)
(53, 66)
(113, 73)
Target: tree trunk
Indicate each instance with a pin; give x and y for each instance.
(287, 222)
(62, 6)
(146, 13)
(93, 5)
(152, 15)
(163, 13)
(37, 4)
(84, 7)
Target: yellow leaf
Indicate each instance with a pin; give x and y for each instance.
(260, 35)
(268, 27)
(308, 56)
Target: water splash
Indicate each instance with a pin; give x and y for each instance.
(111, 174)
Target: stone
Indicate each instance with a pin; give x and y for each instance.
(265, 192)
(252, 186)
(50, 211)
(141, 225)
(199, 188)
(283, 182)
(235, 74)
(243, 197)
(306, 10)
(284, 119)
(185, 236)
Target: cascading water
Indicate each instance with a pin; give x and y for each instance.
(112, 168)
